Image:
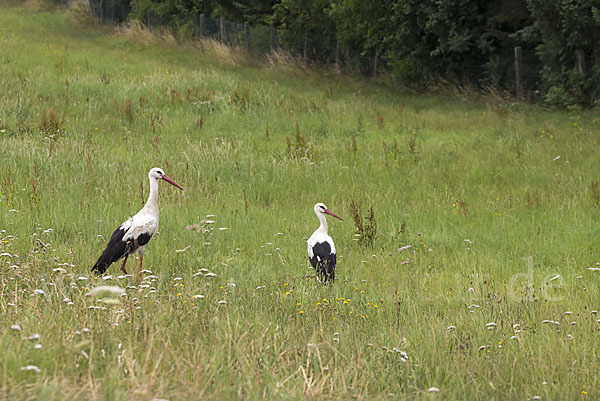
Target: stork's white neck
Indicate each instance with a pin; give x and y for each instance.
(323, 227)
(152, 202)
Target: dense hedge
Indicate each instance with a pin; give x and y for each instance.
(424, 41)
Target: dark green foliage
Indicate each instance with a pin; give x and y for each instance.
(169, 11)
(426, 40)
(109, 10)
(566, 26)
(420, 43)
(304, 20)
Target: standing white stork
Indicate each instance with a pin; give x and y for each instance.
(135, 233)
(321, 250)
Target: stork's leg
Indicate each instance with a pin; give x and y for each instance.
(140, 266)
(123, 264)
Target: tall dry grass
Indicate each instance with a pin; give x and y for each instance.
(223, 53)
(137, 32)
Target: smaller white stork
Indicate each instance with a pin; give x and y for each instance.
(321, 250)
(135, 233)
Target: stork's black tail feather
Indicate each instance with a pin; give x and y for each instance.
(114, 251)
(323, 261)
(326, 269)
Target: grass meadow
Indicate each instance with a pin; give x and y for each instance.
(496, 297)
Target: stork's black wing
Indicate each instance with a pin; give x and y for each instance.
(321, 251)
(115, 250)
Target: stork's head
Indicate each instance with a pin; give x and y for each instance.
(158, 174)
(320, 208)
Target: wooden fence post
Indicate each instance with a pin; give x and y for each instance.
(375, 62)
(201, 31)
(337, 54)
(272, 38)
(305, 49)
(580, 62)
(222, 30)
(247, 35)
(519, 71)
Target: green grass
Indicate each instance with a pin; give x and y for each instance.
(438, 169)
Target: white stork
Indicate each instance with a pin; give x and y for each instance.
(135, 233)
(321, 250)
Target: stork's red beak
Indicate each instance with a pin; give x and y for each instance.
(329, 212)
(170, 181)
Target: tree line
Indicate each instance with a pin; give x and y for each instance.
(423, 42)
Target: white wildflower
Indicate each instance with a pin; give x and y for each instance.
(403, 355)
(32, 367)
(33, 337)
(107, 291)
